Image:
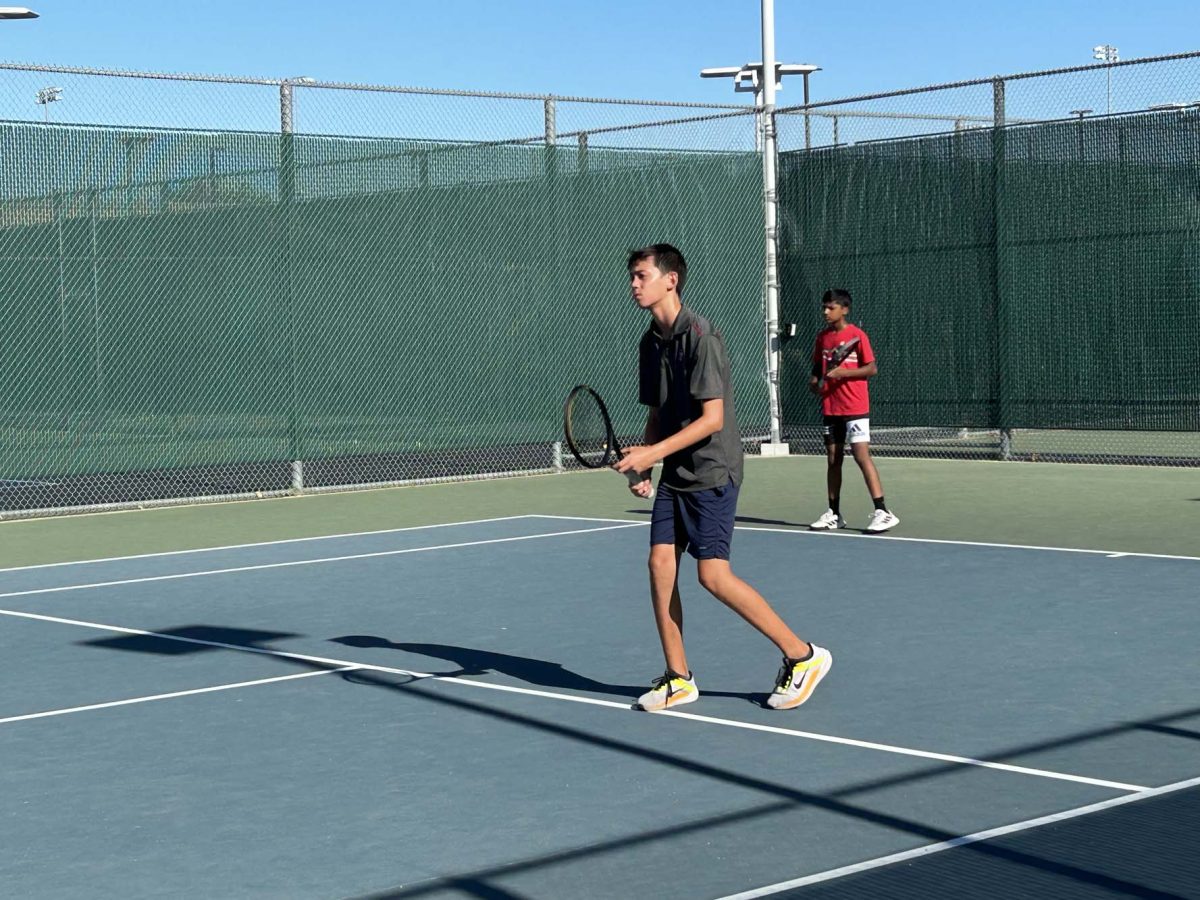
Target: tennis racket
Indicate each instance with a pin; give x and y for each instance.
(590, 432)
(837, 356)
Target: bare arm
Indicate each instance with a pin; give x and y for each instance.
(652, 426)
(711, 420)
(868, 371)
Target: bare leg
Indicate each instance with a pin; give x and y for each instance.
(833, 475)
(862, 456)
(668, 608)
(718, 579)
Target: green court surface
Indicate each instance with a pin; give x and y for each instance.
(424, 692)
(1119, 508)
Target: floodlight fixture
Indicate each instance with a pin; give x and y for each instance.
(748, 78)
(17, 12)
(45, 97)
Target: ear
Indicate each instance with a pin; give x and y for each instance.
(673, 280)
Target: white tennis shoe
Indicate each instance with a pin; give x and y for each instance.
(829, 520)
(882, 520)
(798, 678)
(668, 690)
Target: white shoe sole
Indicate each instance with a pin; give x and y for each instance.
(871, 529)
(680, 699)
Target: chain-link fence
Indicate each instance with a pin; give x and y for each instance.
(390, 286)
(1023, 252)
(217, 287)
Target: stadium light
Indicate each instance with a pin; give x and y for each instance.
(749, 79)
(46, 96)
(1109, 54)
(17, 12)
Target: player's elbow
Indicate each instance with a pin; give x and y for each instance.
(714, 420)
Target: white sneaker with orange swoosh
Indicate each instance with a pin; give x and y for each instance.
(798, 678)
(667, 691)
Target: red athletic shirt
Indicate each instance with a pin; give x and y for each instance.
(843, 397)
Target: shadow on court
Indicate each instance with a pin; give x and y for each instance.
(1141, 849)
(192, 639)
(1076, 858)
(755, 520)
(523, 668)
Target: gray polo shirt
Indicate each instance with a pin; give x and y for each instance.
(676, 373)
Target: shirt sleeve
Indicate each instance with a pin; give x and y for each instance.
(649, 373)
(711, 364)
(866, 355)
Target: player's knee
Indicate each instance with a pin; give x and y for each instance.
(711, 573)
(662, 559)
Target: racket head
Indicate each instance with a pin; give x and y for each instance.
(589, 430)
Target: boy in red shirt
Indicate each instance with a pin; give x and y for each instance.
(846, 406)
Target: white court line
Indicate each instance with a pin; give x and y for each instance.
(831, 874)
(889, 538)
(153, 697)
(319, 537)
(309, 562)
(591, 701)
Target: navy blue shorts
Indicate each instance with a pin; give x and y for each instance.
(703, 520)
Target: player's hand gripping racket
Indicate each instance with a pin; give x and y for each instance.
(837, 356)
(590, 432)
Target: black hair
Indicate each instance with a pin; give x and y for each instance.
(666, 259)
(840, 296)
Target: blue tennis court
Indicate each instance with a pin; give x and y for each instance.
(443, 711)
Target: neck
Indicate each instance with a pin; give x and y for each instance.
(665, 311)
(840, 325)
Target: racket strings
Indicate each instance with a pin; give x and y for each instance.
(588, 431)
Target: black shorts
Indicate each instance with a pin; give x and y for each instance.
(839, 429)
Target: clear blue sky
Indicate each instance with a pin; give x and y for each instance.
(612, 48)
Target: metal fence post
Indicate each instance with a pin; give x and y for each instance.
(583, 153)
(1000, 411)
(287, 199)
(771, 233)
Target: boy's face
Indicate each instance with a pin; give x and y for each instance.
(834, 312)
(648, 285)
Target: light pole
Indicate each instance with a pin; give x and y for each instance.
(753, 77)
(45, 97)
(1107, 53)
(1079, 114)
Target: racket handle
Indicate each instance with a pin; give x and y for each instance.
(635, 479)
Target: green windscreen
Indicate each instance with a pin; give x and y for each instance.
(195, 312)
(1042, 276)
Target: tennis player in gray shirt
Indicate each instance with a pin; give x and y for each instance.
(691, 429)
